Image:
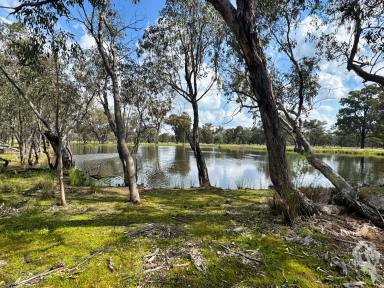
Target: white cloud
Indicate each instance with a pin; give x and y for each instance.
(87, 41)
(325, 108)
(334, 79)
(5, 20)
(328, 117)
(10, 3)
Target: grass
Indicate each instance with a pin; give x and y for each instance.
(369, 152)
(95, 221)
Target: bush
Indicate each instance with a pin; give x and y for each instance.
(47, 188)
(77, 177)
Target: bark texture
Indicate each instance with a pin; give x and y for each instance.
(65, 150)
(346, 194)
(116, 121)
(195, 146)
(242, 22)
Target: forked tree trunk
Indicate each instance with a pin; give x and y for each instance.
(195, 145)
(67, 159)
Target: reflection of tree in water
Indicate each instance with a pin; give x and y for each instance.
(153, 174)
(358, 170)
(181, 163)
(166, 166)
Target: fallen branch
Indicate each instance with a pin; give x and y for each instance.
(153, 269)
(38, 277)
(110, 265)
(244, 255)
(55, 269)
(150, 257)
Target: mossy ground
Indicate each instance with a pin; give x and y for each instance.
(96, 218)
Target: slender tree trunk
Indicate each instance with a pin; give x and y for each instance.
(46, 152)
(21, 152)
(362, 138)
(129, 170)
(60, 173)
(36, 150)
(195, 145)
(30, 161)
(157, 134)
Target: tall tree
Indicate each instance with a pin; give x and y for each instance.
(181, 124)
(246, 23)
(53, 64)
(181, 50)
(360, 112)
(103, 25)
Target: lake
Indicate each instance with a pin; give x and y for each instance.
(175, 166)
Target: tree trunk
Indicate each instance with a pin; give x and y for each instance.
(36, 150)
(30, 161)
(129, 170)
(346, 194)
(66, 152)
(362, 138)
(195, 145)
(242, 22)
(60, 173)
(157, 134)
(21, 152)
(46, 152)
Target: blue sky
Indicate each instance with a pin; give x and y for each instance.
(335, 80)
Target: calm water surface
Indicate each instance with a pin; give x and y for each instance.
(175, 166)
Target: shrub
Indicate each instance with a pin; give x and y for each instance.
(47, 188)
(77, 177)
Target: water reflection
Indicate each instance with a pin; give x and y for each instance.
(174, 166)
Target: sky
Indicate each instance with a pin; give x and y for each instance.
(334, 79)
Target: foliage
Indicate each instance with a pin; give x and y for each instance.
(361, 113)
(181, 125)
(77, 177)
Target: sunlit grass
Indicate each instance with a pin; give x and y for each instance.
(95, 221)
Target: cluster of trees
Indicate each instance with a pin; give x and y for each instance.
(193, 47)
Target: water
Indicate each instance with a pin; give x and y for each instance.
(175, 166)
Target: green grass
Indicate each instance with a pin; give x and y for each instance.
(198, 219)
(369, 152)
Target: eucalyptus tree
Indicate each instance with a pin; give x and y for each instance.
(362, 50)
(360, 112)
(248, 22)
(46, 78)
(296, 89)
(17, 118)
(103, 24)
(181, 124)
(182, 52)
